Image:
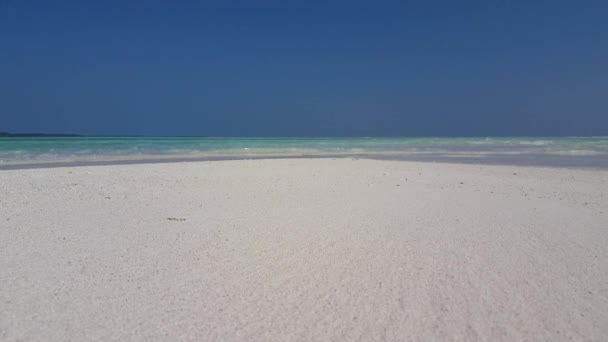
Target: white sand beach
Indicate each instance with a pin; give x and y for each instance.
(303, 250)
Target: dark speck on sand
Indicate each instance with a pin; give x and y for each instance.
(175, 219)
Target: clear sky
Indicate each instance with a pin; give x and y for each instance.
(306, 68)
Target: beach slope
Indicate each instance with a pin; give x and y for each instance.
(303, 249)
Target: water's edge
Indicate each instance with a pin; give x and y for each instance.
(578, 162)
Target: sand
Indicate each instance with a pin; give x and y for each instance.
(308, 249)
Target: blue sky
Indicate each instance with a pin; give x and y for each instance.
(280, 68)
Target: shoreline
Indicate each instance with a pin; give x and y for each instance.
(530, 160)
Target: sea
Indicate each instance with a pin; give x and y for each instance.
(34, 152)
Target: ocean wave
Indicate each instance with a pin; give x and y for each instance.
(576, 153)
(536, 142)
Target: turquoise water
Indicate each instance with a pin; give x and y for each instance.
(21, 151)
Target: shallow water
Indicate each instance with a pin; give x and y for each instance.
(56, 151)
